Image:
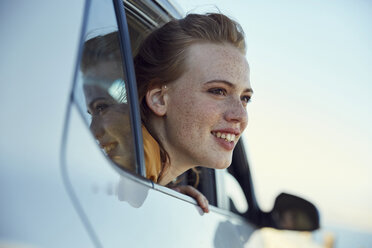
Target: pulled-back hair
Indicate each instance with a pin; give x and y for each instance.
(101, 48)
(162, 55)
(161, 58)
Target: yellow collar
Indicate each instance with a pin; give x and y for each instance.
(152, 155)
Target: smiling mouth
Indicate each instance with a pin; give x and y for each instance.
(107, 148)
(229, 137)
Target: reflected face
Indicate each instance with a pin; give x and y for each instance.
(110, 125)
(206, 109)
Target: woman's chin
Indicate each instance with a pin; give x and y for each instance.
(224, 166)
(221, 164)
(124, 162)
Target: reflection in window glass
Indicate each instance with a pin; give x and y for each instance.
(101, 90)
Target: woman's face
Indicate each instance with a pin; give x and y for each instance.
(206, 109)
(110, 125)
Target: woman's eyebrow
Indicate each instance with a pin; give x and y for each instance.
(91, 104)
(227, 83)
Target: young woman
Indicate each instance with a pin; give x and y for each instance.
(193, 84)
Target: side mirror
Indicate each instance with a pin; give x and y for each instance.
(294, 213)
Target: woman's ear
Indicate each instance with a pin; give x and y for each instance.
(157, 100)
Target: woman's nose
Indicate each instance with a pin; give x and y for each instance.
(236, 112)
(96, 128)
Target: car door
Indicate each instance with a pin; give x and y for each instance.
(117, 204)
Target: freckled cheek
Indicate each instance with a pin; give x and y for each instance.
(193, 119)
(181, 118)
(96, 125)
(117, 124)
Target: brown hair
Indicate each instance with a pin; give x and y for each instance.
(161, 57)
(100, 48)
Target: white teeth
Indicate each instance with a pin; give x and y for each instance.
(226, 136)
(108, 148)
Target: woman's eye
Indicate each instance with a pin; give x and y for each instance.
(246, 99)
(218, 91)
(100, 107)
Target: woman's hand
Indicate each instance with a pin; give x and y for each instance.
(194, 193)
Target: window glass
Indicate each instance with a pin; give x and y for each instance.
(237, 181)
(235, 193)
(100, 91)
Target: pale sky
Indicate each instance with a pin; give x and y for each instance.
(310, 119)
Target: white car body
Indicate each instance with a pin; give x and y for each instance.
(57, 188)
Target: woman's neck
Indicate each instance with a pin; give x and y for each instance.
(175, 165)
(170, 173)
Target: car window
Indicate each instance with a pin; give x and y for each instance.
(237, 182)
(101, 90)
(235, 194)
